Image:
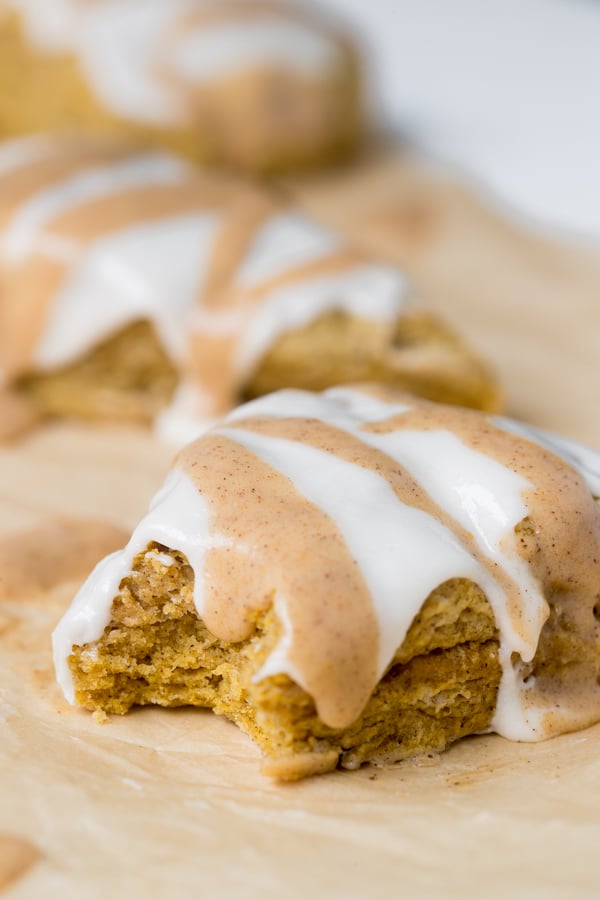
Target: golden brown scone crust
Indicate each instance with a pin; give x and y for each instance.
(130, 378)
(419, 355)
(441, 685)
(256, 121)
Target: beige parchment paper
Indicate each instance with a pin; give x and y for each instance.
(170, 803)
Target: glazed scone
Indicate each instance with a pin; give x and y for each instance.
(136, 286)
(354, 576)
(256, 84)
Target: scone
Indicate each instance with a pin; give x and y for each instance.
(354, 576)
(134, 286)
(255, 84)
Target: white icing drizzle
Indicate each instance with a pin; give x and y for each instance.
(284, 242)
(218, 50)
(55, 29)
(117, 44)
(478, 492)
(22, 152)
(126, 49)
(390, 550)
(150, 271)
(178, 518)
(403, 553)
(373, 292)
(580, 457)
(24, 230)
(163, 558)
(186, 417)
(342, 407)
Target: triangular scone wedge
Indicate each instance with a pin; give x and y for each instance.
(138, 288)
(354, 576)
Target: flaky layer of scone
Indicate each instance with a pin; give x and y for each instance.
(441, 684)
(355, 576)
(134, 284)
(262, 86)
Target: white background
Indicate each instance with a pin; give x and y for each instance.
(507, 91)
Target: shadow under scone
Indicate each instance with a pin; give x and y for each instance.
(440, 686)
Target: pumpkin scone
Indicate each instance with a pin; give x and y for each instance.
(137, 287)
(256, 84)
(354, 576)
